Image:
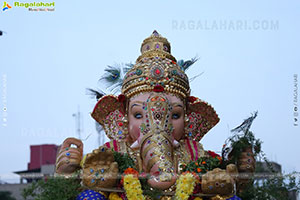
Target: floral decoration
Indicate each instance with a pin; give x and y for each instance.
(185, 186)
(203, 164)
(133, 187)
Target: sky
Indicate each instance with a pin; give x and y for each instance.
(248, 52)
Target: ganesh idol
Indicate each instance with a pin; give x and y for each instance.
(155, 127)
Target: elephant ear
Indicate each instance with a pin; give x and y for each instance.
(109, 112)
(201, 118)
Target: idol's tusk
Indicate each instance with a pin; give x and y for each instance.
(135, 145)
(175, 143)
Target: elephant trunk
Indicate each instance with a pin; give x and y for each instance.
(158, 160)
(156, 142)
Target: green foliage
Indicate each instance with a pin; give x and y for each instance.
(273, 188)
(6, 195)
(242, 139)
(240, 143)
(54, 188)
(202, 165)
(124, 161)
(153, 193)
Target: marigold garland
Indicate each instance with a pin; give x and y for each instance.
(132, 171)
(185, 186)
(129, 170)
(132, 185)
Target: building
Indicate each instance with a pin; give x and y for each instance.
(264, 169)
(42, 162)
(41, 165)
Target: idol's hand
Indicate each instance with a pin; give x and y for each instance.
(69, 158)
(246, 161)
(218, 181)
(99, 169)
(246, 168)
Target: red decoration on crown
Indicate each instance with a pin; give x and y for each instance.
(192, 99)
(158, 88)
(121, 98)
(157, 71)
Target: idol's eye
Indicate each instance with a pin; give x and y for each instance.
(175, 116)
(138, 116)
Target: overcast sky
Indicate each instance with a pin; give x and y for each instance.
(249, 53)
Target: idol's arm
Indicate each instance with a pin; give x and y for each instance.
(69, 158)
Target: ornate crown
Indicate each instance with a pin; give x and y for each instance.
(156, 70)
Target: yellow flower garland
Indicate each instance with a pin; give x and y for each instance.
(133, 187)
(185, 186)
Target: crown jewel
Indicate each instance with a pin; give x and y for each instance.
(156, 67)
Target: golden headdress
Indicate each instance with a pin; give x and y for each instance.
(156, 69)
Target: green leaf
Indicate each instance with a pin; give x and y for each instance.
(54, 188)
